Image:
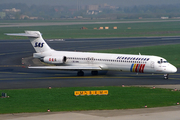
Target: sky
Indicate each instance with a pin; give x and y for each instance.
(88, 2)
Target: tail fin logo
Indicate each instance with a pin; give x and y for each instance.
(39, 44)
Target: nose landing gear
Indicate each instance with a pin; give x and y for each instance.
(166, 76)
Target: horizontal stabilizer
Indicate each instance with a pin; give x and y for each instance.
(24, 35)
(36, 40)
(67, 67)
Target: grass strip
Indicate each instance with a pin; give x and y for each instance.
(62, 99)
(124, 30)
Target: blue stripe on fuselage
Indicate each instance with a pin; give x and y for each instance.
(131, 67)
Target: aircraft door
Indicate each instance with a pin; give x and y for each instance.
(90, 60)
(152, 64)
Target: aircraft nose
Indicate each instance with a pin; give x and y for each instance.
(173, 69)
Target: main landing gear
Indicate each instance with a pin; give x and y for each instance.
(166, 76)
(81, 73)
(94, 72)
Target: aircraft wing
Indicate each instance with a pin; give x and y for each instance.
(66, 67)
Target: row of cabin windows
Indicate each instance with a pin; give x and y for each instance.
(108, 60)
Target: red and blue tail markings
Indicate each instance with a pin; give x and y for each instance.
(138, 68)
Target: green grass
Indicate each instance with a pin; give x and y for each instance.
(62, 99)
(73, 31)
(169, 52)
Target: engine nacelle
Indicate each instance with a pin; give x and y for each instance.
(54, 59)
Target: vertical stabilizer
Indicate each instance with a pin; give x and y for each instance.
(36, 40)
(38, 43)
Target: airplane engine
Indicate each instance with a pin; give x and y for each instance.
(54, 59)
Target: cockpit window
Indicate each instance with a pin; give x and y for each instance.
(162, 61)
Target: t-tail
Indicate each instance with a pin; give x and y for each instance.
(36, 40)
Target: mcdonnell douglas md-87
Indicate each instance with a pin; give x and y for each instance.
(94, 62)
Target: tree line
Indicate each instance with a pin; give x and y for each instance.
(61, 11)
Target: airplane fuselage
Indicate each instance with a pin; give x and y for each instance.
(94, 62)
(115, 62)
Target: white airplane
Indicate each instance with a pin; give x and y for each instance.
(94, 62)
